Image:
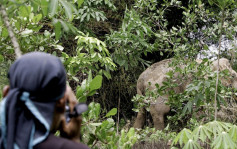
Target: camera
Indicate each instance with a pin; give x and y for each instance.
(78, 110)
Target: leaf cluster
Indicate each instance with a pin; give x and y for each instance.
(214, 134)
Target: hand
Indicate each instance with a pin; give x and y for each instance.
(5, 90)
(71, 130)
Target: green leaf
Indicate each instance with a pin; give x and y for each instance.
(111, 112)
(191, 144)
(122, 137)
(83, 17)
(94, 110)
(233, 132)
(182, 137)
(68, 9)
(24, 11)
(89, 76)
(81, 89)
(145, 29)
(223, 141)
(44, 7)
(210, 2)
(1, 58)
(205, 47)
(37, 18)
(216, 127)
(188, 107)
(92, 138)
(26, 32)
(4, 32)
(79, 3)
(202, 132)
(82, 99)
(88, 17)
(96, 83)
(131, 132)
(18, 25)
(107, 74)
(75, 78)
(53, 7)
(57, 30)
(95, 124)
(35, 4)
(64, 25)
(59, 47)
(91, 93)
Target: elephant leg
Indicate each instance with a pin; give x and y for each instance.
(139, 122)
(158, 118)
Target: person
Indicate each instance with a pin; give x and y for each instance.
(33, 108)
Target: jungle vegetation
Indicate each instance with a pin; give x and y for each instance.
(106, 44)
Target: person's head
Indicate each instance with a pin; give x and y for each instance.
(37, 83)
(58, 109)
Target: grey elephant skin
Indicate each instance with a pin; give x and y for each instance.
(156, 74)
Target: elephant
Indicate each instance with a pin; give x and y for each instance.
(156, 74)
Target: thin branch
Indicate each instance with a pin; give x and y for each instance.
(10, 31)
(119, 105)
(218, 60)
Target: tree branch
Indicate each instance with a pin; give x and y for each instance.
(10, 31)
(218, 60)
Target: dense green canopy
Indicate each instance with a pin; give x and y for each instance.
(106, 44)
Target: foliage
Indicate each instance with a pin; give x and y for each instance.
(88, 87)
(154, 134)
(131, 41)
(31, 19)
(151, 138)
(92, 55)
(214, 134)
(188, 40)
(199, 92)
(183, 29)
(89, 10)
(144, 101)
(100, 132)
(26, 25)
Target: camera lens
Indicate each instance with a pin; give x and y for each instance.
(78, 110)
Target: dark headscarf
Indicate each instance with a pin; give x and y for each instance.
(37, 81)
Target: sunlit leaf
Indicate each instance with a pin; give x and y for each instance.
(202, 133)
(68, 8)
(96, 83)
(53, 6)
(79, 3)
(37, 18)
(223, 141)
(112, 112)
(191, 144)
(4, 32)
(57, 30)
(1, 58)
(26, 32)
(24, 11)
(183, 137)
(233, 133)
(44, 7)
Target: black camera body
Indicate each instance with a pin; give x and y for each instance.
(77, 111)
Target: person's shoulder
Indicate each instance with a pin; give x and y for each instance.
(68, 144)
(54, 142)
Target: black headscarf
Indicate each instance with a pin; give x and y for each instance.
(37, 81)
